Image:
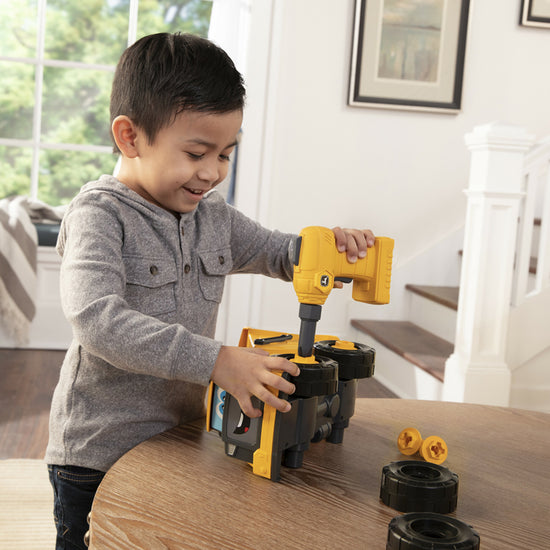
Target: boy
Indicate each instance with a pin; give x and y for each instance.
(145, 255)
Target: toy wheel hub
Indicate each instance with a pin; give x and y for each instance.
(354, 360)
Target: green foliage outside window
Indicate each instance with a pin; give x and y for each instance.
(75, 99)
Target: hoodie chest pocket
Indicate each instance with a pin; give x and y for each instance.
(214, 266)
(150, 285)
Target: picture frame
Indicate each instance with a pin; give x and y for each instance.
(535, 13)
(409, 54)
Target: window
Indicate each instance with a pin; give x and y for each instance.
(57, 59)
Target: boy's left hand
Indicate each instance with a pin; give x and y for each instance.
(354, 241)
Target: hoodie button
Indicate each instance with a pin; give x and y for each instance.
(221, 259)
(187, 268)
(153, 270)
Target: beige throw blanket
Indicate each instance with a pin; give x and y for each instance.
(18, 251)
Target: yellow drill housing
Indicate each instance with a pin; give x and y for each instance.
(318, 264)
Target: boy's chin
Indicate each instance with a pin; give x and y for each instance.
(185, 209)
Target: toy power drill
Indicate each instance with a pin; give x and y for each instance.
(324, 400)
(318, 264)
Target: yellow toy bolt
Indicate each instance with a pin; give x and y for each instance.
(432, 449)
(409, 441)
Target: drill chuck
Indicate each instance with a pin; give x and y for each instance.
(309, 315)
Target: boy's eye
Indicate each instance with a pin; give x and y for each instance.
(196, 156)
(200, 156)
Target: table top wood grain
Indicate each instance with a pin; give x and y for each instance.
(179, 490)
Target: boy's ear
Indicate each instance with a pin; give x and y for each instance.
(125, 133)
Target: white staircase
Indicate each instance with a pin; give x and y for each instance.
(490, 342)
(411, 354)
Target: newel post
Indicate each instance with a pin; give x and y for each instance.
(477, 371)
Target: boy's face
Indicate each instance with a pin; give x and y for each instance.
(187, 159)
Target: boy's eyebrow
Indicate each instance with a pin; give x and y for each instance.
(210, 145)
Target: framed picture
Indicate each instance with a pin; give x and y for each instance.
(409, 54)
(535, 13)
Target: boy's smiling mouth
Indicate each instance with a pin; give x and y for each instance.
(195, 192)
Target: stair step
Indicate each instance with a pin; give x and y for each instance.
(444, 295)
(420, 347)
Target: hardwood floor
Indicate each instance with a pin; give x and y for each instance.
(28, 378)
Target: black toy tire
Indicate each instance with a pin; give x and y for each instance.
(357, 363)
(315, 379)
(417, 486)
(429, 531)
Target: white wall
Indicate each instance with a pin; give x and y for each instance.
(307, 158)
(400, 173)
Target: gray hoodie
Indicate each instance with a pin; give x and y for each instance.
(141, 289)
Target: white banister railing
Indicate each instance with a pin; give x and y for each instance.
(534, 217)
(478, 371)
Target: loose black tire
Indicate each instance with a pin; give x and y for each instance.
(429, 531)
(417, 486)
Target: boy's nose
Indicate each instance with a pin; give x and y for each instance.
(209, 171)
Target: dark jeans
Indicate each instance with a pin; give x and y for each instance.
(74, 489)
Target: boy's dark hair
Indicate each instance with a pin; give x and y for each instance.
(163, 74)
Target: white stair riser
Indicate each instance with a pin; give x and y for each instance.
(433, 317)
(399, 375)
(532, 398)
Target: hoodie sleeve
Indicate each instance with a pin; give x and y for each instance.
(93, 285)
(254, 248)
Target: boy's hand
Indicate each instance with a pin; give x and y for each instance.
(244, 372)
(354, 241)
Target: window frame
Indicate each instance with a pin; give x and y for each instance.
(35, 144)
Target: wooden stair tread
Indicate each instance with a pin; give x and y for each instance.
(445, 295)
(420, 347)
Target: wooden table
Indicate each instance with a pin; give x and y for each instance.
(179, 489)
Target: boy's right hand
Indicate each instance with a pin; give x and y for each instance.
(244, 372)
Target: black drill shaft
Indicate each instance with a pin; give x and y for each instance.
(309, 315)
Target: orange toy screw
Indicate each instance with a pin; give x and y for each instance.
(432, 449)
